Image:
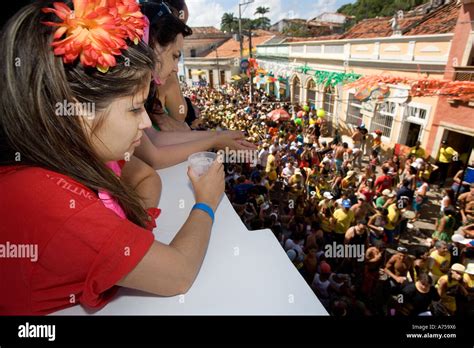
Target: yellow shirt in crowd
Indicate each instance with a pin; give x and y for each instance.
(419, 153)
(393, 216)
(343, 220)
(446, 154)
(441, 263)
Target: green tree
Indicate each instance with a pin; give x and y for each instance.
(229, 23)
(262, 10)
(262, 23)
(363, 9)
(297, 30)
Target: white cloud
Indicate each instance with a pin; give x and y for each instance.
(276, 9)
(204, 13)
(209, 12)
(321, 6)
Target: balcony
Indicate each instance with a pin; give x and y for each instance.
(426, 50)
(244, 272)
(464, 73)
(278, 51)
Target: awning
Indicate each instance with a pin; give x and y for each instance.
(198, 72)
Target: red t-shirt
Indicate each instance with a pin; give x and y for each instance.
(383, 182)
(83, 248)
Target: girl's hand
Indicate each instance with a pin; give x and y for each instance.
(233, 140)
(209, 187)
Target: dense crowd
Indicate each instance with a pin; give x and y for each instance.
(345, 212)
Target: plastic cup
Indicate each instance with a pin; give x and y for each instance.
(201, 161)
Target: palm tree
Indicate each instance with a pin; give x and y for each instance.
(262, 23)
(228, 22)
(261, 10)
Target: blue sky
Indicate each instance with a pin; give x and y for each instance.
(209, 12)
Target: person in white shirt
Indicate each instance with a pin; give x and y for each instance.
(263, 156)
(288, 171)
(274, 146)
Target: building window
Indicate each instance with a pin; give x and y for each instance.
(211, 78)
(190, 75)
(193, 52)
(383, 119)
(296, 89)
(329, 98)
(222, 74)
(416, 113)
(311, 93)
(354, 115)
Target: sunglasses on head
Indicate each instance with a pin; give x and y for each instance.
(155, 11)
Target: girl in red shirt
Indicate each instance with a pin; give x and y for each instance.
(68, 114)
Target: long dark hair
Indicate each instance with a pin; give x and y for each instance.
(164, 28)
(34, 80)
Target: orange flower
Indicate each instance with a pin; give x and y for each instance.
(133, 21)
(95, 31)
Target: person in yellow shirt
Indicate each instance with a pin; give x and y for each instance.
(468, 282)
(468, 277)
(391, 227)
(342, 220)
(450, 285)
(271, 166)
(418, 151)
(439, 260)
(446, 155)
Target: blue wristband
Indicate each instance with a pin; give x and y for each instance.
(204, 207)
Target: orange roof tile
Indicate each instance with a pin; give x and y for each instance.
(313, 38)
(441, 21)
(377, 27)
(206, 30)
(231, 48)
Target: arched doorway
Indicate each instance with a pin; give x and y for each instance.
(329, 99)
(311, 94)
(296, 87)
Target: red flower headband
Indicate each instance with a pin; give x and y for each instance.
(95, 30)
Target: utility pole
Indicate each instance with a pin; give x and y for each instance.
(218, 72)
(251, 70)
(245, 3)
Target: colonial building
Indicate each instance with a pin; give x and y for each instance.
(414, 47)
(454, 120)
(222, 61)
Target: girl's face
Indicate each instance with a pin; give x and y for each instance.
(168, 58)
(122, 127)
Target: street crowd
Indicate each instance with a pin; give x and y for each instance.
(321, 192)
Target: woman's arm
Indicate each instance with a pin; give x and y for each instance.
(144, 180)
(169, 270)
(178, 137)
(169, 155)
(173, 98)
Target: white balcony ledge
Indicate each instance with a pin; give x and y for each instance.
(243, 273)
